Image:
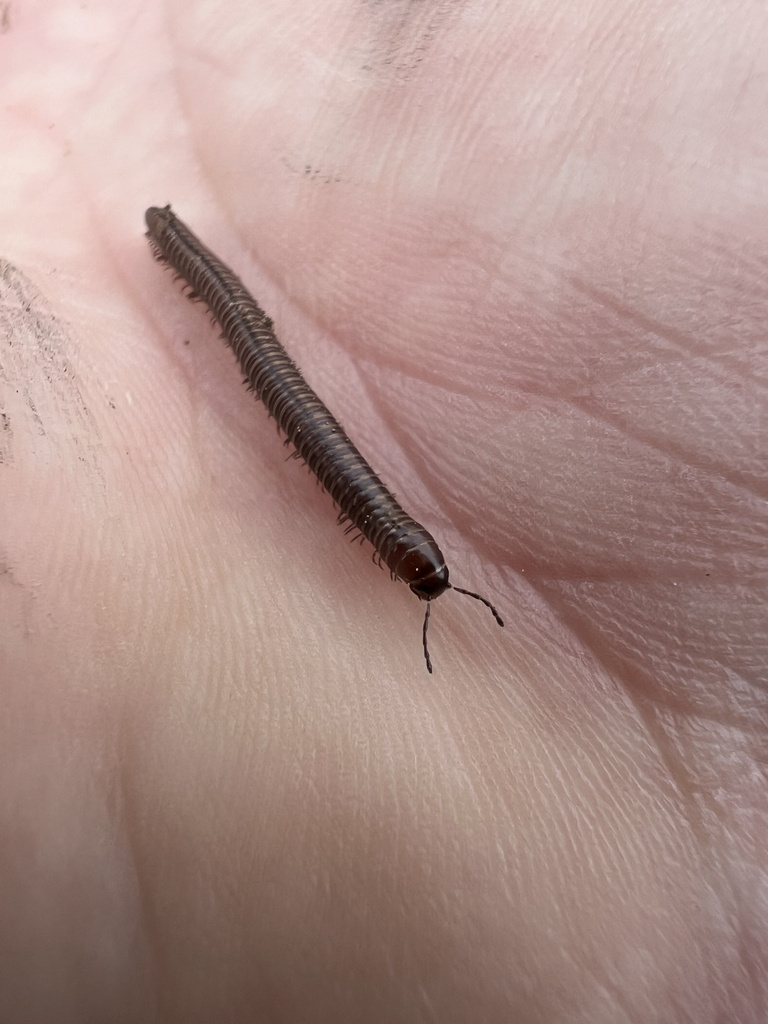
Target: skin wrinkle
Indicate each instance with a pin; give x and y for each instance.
(648, 435)
(745, 941)
(662, 678)
(686, 344)
(384, 332)
(125, 820)
(644, 436)
(616, 669)
(687, 540)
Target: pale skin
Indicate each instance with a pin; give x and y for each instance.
(521, 253)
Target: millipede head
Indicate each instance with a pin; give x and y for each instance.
(417, 560)
(459, 590)
(430, 584)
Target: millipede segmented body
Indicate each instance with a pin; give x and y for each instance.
(407, 549)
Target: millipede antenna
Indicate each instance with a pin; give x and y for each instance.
(459, 590)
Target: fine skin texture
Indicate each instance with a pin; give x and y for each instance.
(521, 251)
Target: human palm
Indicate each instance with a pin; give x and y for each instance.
(520, 253)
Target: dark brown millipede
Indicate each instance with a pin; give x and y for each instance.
(408, 550)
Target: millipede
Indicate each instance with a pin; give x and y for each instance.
(408, 550)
